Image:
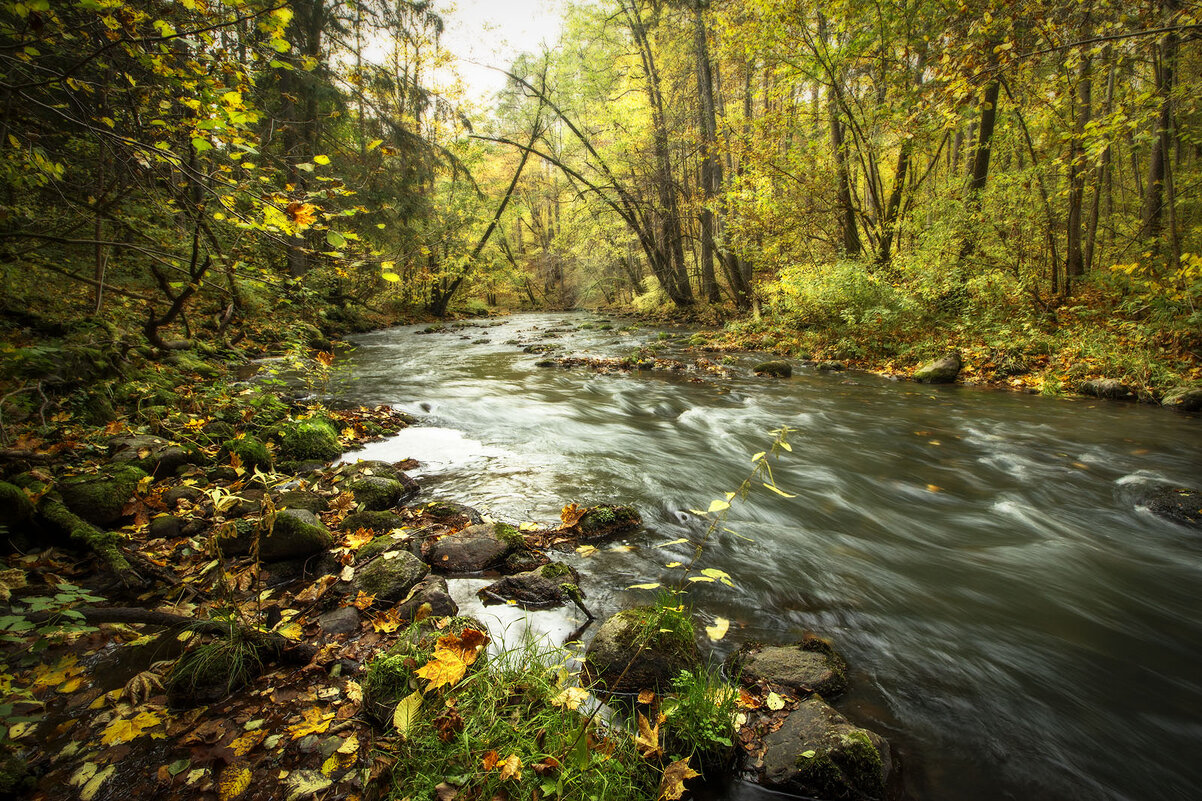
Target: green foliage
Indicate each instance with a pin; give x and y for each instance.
(64, 620)
(311, 438)
(700, 714)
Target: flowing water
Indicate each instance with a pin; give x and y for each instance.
(1017, 625)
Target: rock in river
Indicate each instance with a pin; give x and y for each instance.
(940, 371)
(474, 549)
(810, 666)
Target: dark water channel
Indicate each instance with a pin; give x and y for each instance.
(1016, 625)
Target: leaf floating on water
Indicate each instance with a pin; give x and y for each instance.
(586, 550)
(718, 630)
(680, 541)
(718, 506)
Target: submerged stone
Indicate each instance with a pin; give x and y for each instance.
(779, 368)
(1105, 388)
(1180, 505)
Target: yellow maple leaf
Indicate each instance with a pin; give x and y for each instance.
(445, 667)
(244, 744)
(570, 515)
(313, 721)
(671, 786)
(123, 730)
(233, 782)
(570, 697)
(647, 738)
(357, 539)
(388, 622)
(63, 671)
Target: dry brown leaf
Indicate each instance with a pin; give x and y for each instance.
(490, 760)
(671, 786)
(647, 739)
(646, 696)
(570, 515)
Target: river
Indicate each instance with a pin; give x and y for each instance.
(1016, 625)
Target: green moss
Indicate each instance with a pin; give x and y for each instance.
(313, 438)
(376, 493)
(15, 506)
(372, 521)
(510, 535)
(252, 452)
(101, 498)
(555, 570)
(830, 771)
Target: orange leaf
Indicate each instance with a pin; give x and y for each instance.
(570, 515)
(490, 760)
(446, 667)
(647, 739)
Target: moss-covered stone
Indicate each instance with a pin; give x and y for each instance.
(940, 371)
(15, 507)
(390, 576)
(376, 493)
(302, 499)
(811, 666)
(778, 368)
(380, 522)
(608, 520)
(380, 544)
(642, 648)
(99, 499)
(310, 439)
(296, 533)
(250, 451)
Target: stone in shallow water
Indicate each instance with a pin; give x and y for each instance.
(808, 667)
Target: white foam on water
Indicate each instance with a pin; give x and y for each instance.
(437, 449)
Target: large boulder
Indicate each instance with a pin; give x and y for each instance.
(390, 576)
(939, 371)
(1105, 388)
(1180, 505)
(251, 453)
(778, 368)
(550, 585)
(101, 498)
(296, 533)
(642, 648)
(302, 499)
(474, 548)
(312, 439)
(431, 593)
(810, 666)
(1184, 399)
(818, 753)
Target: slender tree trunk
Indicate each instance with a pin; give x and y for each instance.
(710, 167)
(849, 233)
(1101, 179)
(1152, 216)
(1074, 267)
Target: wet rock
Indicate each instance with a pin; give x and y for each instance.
(382, 543)
(1184, 399)
(302, 499)
(811, 666)
(535, 589)
(474, 549)
(313, 439)
(165, 527)
(247, 502)
(452, 514)
(614, 658)
(297, 533)
(940, 371)
(222, 474)
(342, 620)
(173, 496)
(431, 592)
(1105, 388)
(157, 456)
(608, 520)
(250, 451)
(372, 521)
(100, 499)
(777, 367)
(818, 753)
(390, 576)
(830, 366)
(377, 493)
(522, 560)
(1180, 505)
(15, 507)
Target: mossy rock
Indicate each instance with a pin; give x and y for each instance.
(376, 493)
(1178, 504)
(452, 514)
(818, 753)
(381, 543)
(158, 456)
(778, 368)
(553, 584)
(379, 522)
(617, 662)
(15, 507)
(302, 499)
(390, 576)
(608, 521)
(1184, 399)
(212, 671)
(249, 450)
(473, 549)
(371, 467)
(311, 439)
(939, 371)
(810, 666)
(99, 499)
(297, 533)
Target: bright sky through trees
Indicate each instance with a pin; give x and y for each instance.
(490, 33)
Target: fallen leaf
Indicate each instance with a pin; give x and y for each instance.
(490, 760)
(718, 630)
(548, 765)
(671, 786)
(446, 792)
(243, 745)
(647, 738)
(646, 696)
(363, 601)
(123, 730)
(570, 697)
(313, 721)
(233, 781)
(406, 713)
(512, 768)
(388, 622)
(570, 515)
(350, 745)
(747, 700)
(444, 668)
(302, 783)
(774, 702)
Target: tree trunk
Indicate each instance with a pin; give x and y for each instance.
(710, 168)
(843, 202)
(1152, 216)
(1101, 173)
(1074, 267)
